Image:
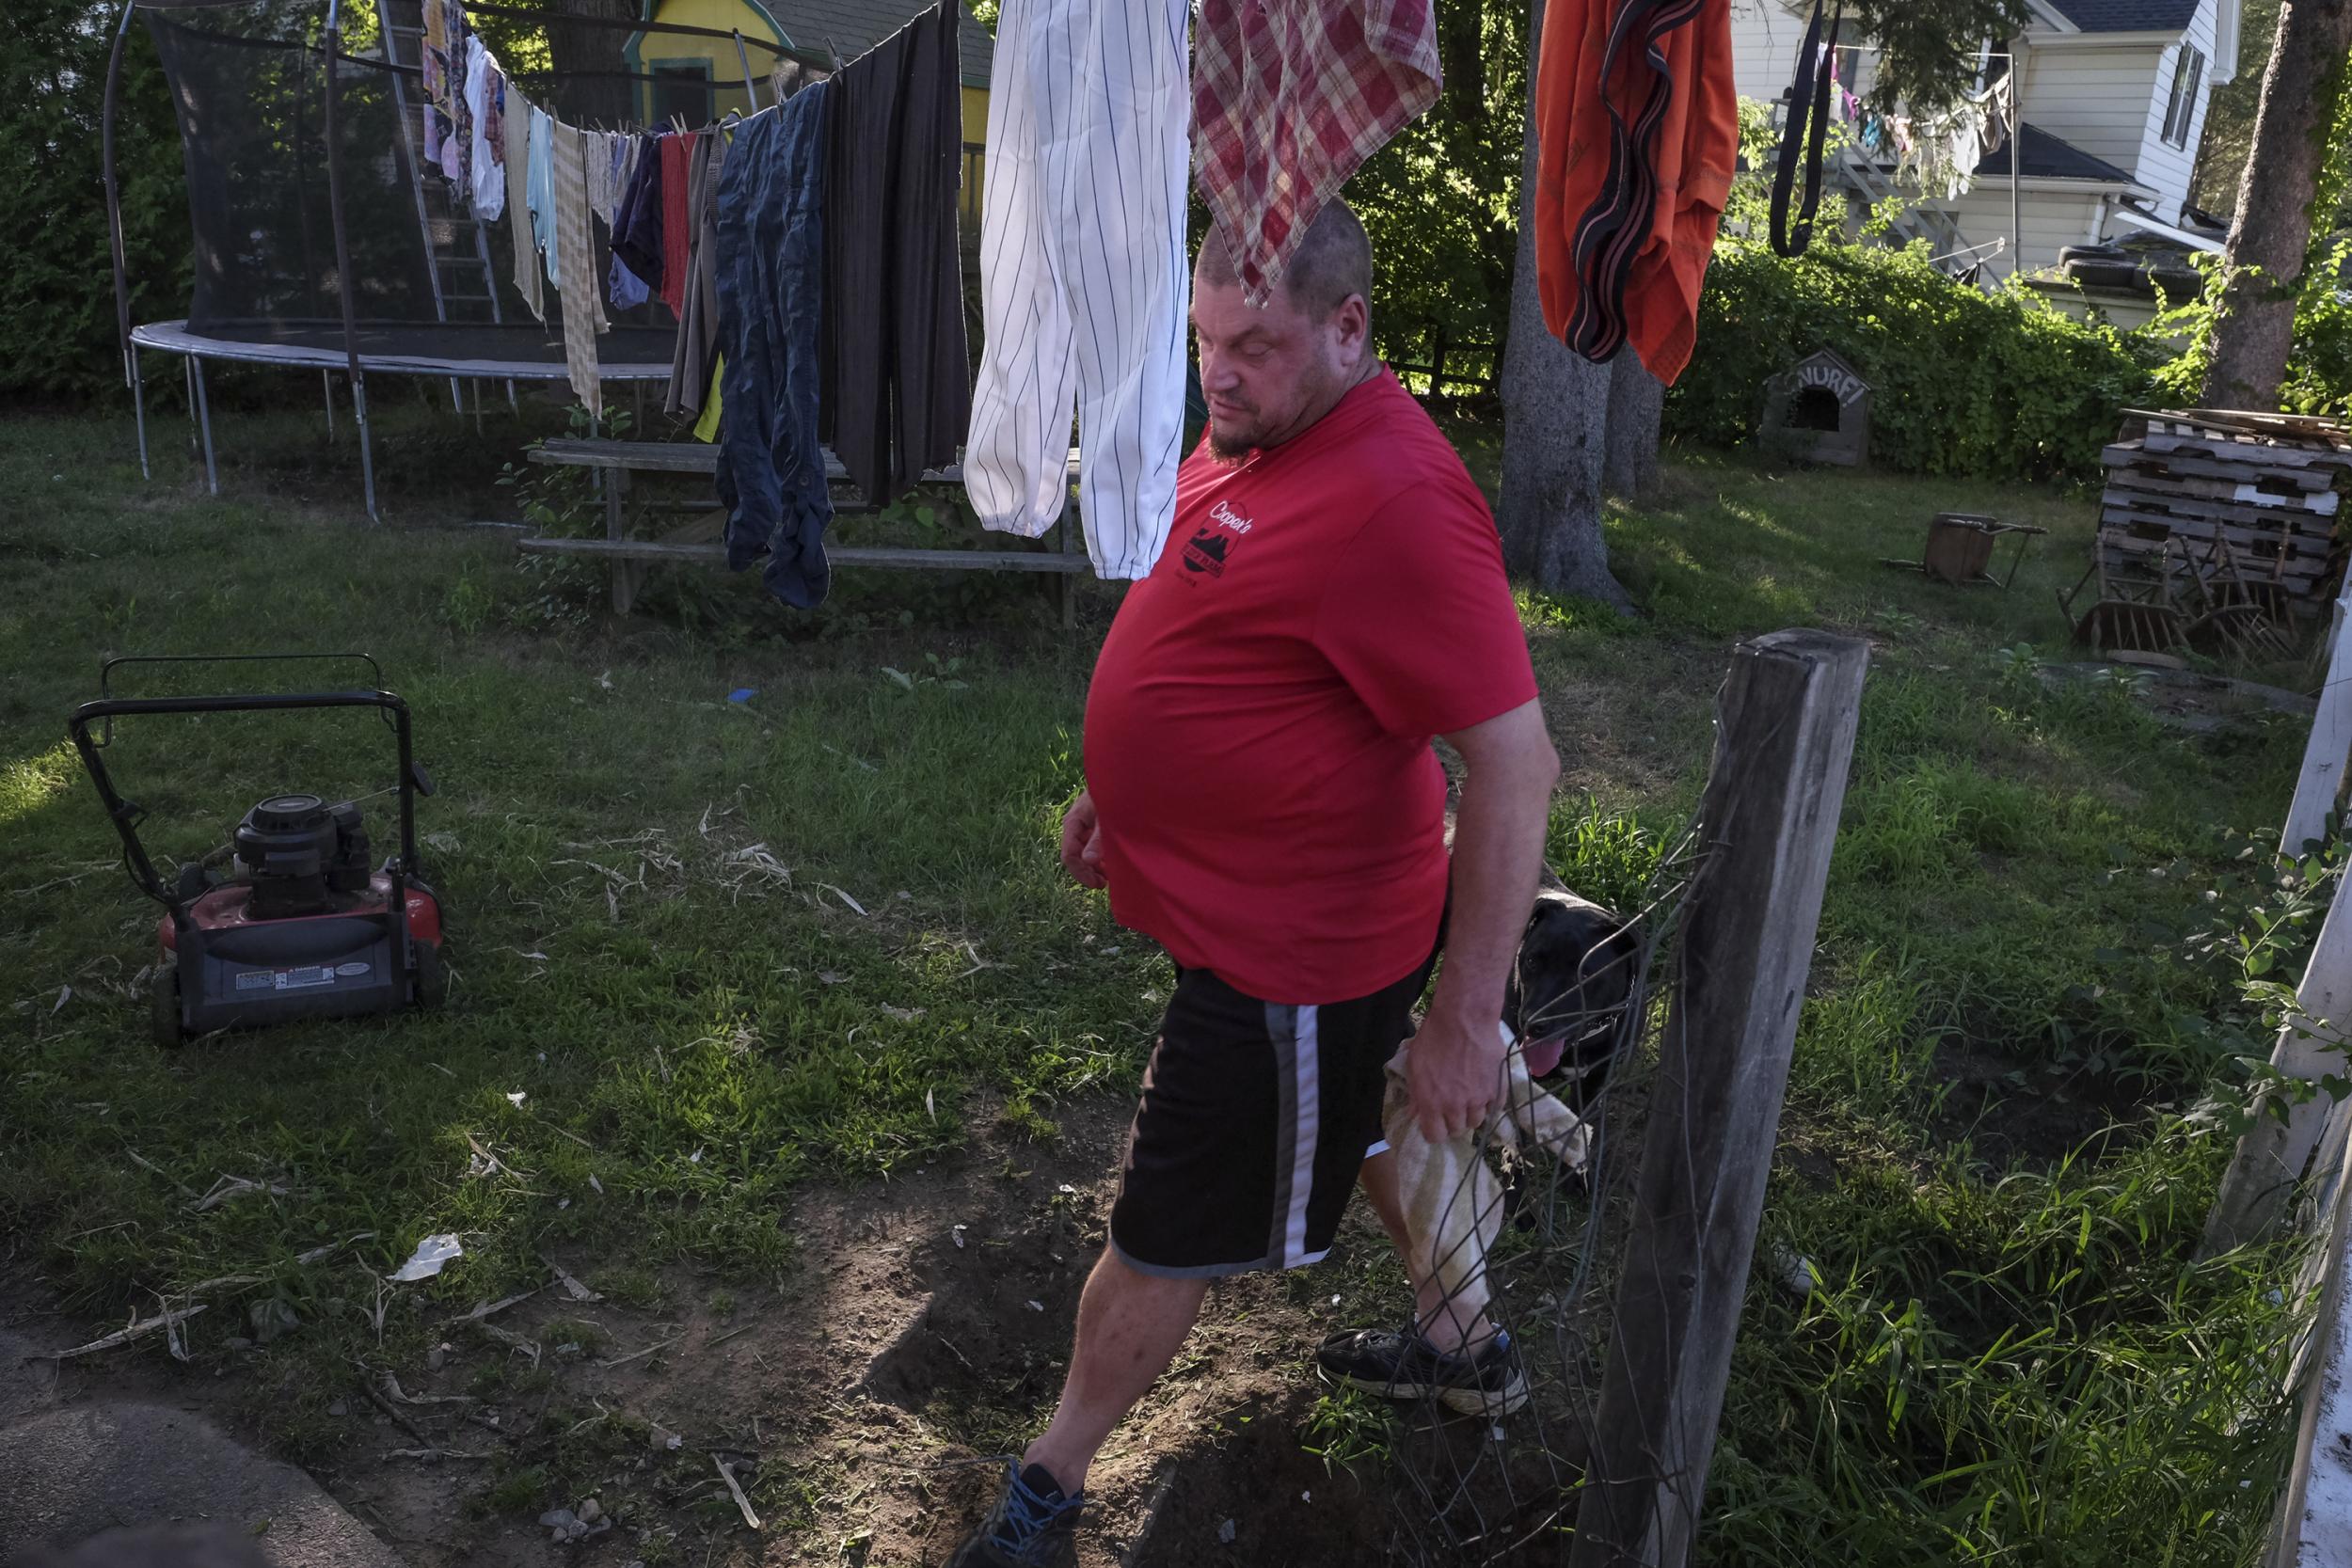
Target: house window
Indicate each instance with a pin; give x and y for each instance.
(2188, 74)
(682, 88)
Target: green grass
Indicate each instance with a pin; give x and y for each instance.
(2013, 1358)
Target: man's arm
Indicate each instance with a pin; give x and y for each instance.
(1454, 1070)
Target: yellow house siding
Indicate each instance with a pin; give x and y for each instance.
(975, 138)
(717, 56)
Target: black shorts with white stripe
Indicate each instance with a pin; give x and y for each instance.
(1255, 1120)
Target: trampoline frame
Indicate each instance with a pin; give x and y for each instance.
(173, 337)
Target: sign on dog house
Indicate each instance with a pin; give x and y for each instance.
(1819, 411)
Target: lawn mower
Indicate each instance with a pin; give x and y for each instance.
(299, 925)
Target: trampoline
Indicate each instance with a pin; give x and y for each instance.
(325, 241)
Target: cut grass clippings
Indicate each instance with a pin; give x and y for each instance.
(721, 948)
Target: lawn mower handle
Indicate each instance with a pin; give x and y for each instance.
(125, 814)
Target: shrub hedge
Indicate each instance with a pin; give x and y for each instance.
(56, 294)
(1964, 382)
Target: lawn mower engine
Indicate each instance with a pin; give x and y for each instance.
(302, 929)
(302, 925)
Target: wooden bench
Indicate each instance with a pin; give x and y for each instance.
(697, 542)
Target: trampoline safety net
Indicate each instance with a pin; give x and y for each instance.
(429, 281)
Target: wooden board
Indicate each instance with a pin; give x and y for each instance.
(2327, 753)
(2150, 509)
(1957, 552)
(2303, 427)
(2271, 1155)
(968, 561)
(2230, 450)
(2315, 516)
(2252, 543)
(2229, 480)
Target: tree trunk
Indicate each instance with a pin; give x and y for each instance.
(1460, 55)
(1556, 406)
(2271, 236)
(1637, 400)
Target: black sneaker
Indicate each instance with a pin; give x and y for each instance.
(1404, 1365)
(1032, 1526)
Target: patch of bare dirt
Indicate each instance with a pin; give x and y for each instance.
(860, 1405)
(2037, 1112)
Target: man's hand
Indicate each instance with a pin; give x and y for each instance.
(1454, 1071)
(1082, 841)
(1455, 1068)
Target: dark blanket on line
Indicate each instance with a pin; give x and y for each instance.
(897, 389)
(771, 284)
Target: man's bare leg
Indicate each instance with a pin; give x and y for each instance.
(1447, 1330)
(1130, 1326)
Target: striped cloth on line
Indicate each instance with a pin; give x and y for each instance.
(1288, 100)
(1085, 283)
(582, 300)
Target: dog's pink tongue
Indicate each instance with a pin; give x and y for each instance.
(1544, 1056)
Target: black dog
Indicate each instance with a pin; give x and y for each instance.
(1569, 993)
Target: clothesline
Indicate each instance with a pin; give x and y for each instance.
(807, 251)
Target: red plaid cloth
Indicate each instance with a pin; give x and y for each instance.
(1289, 97)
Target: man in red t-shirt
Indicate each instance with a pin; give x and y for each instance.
(1261, 800)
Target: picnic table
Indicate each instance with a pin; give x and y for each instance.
(697, 542)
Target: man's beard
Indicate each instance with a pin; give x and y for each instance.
(1231, 452)
(1233, 445)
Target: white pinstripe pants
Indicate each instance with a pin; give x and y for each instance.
(1084, 283)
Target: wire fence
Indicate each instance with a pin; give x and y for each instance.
(1524, 1242)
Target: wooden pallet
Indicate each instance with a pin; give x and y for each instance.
(2254, 497)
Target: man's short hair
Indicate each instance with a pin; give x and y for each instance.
(1333, 261)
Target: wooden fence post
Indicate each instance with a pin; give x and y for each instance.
(2329, 748)
(2313, 1526)
(1785, 730)
(2271, 1154)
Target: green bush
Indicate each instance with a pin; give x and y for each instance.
(56, 296)
(1993, 385)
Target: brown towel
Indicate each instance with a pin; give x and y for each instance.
(575, 255)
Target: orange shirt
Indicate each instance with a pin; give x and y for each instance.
(1632, 171)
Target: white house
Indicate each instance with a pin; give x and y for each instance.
(2112, 95)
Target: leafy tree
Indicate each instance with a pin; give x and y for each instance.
(2271, 256)
(1440, 201)
(1928, 48)
(2230, 114)
(58, 336)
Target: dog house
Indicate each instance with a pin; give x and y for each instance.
(1819, 411)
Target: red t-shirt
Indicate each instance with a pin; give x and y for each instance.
(1257, 735)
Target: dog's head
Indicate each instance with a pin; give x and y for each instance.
(1569, 986)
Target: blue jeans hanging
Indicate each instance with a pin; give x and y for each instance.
(770, 234)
